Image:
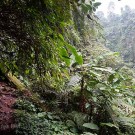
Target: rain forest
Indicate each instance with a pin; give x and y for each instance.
(66, 68)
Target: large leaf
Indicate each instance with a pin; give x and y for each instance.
(64, 56)
(96, 4)
(91, 126)
(93, 73)
(93, 82)
(88, 133)
(78, 56)
(89, 7)
(109, 125)
(111, 78)
(84, 8)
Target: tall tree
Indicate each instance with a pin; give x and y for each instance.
(119, 32)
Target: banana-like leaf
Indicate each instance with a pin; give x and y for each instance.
(91, 126)
(64, 56)
(96, 4)
(109, 125)
(78, 56)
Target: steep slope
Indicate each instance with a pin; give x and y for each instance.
(7, 100)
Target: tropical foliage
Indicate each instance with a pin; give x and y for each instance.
(120, 38)
(75, 85)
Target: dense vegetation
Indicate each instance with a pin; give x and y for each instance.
(74, 85)
(119, 31)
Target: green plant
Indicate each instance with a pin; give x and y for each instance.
(40, 123)
(24, 104)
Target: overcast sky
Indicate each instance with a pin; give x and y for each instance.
(118, 5)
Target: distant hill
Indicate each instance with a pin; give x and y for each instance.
(119, 31)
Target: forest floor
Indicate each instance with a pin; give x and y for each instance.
(7, 99)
